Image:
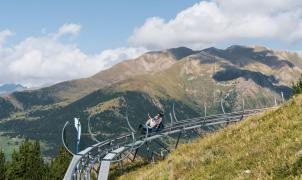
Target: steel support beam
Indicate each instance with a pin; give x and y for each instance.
(177, 140)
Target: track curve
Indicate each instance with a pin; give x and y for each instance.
(107, 151)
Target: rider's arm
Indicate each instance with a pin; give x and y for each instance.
(149, 116)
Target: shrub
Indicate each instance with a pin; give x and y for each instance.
(297, 87)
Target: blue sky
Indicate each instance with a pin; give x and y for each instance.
(46, 42)
(105, 24)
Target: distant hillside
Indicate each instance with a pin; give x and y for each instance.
(267, 146)
(6, 107)
(189, 79)
(9, 88)
(70, 91)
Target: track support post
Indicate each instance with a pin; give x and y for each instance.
(177, 140)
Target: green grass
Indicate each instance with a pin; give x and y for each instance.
(267, 146)
(8, 144)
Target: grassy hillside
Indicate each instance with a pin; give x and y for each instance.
(267, 146)
(6, 107)
(108, 121)
(70, 91)
(153, 81)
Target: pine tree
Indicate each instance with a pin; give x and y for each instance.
(27, 163)
(2, 165)
(60, 164)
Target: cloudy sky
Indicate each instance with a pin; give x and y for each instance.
(46, 42)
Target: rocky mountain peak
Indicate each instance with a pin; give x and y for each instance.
(181, 52)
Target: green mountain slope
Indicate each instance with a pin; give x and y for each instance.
(153, 81)
(267, 146)
(70, 91)
(6, 107)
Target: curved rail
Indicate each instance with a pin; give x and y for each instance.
(89, 129)
(63, 138)
(108, 150)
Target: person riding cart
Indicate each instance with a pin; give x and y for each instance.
(153, 124)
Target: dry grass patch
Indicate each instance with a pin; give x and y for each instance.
(267, 146)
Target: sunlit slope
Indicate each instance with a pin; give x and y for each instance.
(267, 146)
(156, 80)
(70, 91)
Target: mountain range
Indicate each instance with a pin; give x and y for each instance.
(9, 88)
(154, 81)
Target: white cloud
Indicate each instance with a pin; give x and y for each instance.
(45, 60)
(71, 29)
(3, 35)
(211, 22)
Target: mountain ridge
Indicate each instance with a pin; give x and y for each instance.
(116, 74)
(156, 80)
(10, 87)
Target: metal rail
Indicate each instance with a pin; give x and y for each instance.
(107, 151)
